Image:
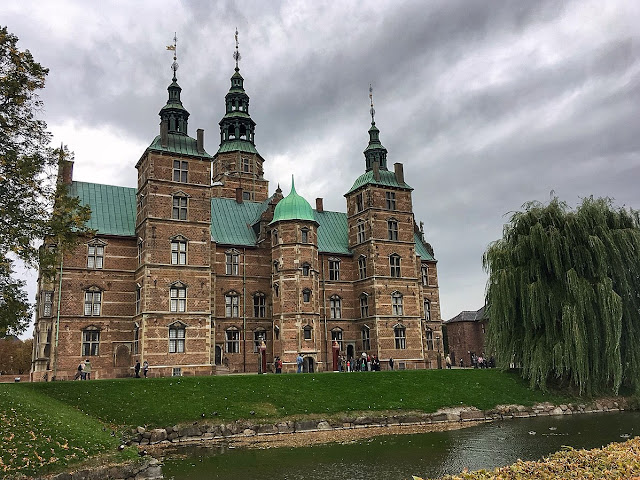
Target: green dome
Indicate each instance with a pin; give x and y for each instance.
(293, 207)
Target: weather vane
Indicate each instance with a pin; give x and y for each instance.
(373, 110)
(236, 54)
(174, 49)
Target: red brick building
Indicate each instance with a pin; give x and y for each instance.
(466, 336)
(199, 270)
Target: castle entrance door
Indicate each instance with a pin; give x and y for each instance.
(350, 351)
(218, 359)
(307, 366)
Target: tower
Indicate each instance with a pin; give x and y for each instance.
(237, 166)
(173, 277)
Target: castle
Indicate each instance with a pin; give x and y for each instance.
(200, 271)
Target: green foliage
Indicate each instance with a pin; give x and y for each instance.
(15, 356)
(160, 402)
(562, 295)
(27, 180)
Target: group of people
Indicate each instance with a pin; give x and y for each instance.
(84, 370)
(366, 363)
(278, 363)
(145, 368)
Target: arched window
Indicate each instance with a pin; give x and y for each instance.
(92, 301)
(335, 304)
(396, 304)
(392, 228)
(232, 305)
(364, 305)
(427, 310)
(394, 265)
(259, 305)
(362, 266)
(177, 335)
(400, 334)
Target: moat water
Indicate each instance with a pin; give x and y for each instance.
(398, 457)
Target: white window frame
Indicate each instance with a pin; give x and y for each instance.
(366, 338)
(232, 262)
(427, 309)
(180, 171)
(47, 303)
(92, 302)
(178, 251)
(232, 340)
(364, 305)
(259, 305)
(180, 207)
(362, 267)
(394, 265)
(392, 229)
(390, 198)
(334, 269)
(91, 342)
(400, 336)
(178, 298)
(397, 304)
(360, 231)
(95, 256)
(177, 337)
(232, 305)
(335, 307)
(424, 271)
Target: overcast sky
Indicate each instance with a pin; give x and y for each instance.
(488, 104)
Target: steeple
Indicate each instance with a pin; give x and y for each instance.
(173, 114)
(375, 151)
(236, 127)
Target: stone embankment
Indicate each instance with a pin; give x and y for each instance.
(143, 469)
(204, 430)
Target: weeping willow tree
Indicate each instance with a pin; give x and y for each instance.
(563, 295)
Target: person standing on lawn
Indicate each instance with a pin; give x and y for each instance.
(145, 368)
(137, 369)
(87, 369)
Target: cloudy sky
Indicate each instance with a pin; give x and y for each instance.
(489, 104)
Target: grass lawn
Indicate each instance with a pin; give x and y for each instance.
(167, 401)
(45, 426)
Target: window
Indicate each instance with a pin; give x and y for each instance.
(336, 336)
(178, 298)
(138, 298)
(90, 342)
(140, 247)
(178, 251)
(47, 304)
(232, 344)
(362, 266)
(246, 165)
(176, 338)
(392, 227)
(335, 306)
(232, 262)
(334, 269)
(276, 332)
(246, 195)
(429, 339)
(424, 270)
(259, 305)
(427, 310)
(95, 259)
(366, 338)
(360, 228)
(307, 332)
(396, 304)
(305, 269)
(306, 295)
(394, 264)
(180, 169)
(259, 336)
(400, 334)
(364, 305)
(176, 372)
(391, 200)
(359, 203)
(92, 301)
(142, 200)
(232, 305)
(275, 237)
(179, 211)
(136, 338)
(304, 235)
(276, 289)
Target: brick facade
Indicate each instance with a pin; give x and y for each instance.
(466, 336)
(170, 293)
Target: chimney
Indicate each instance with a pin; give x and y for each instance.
(239, 195)
(319, 205)
(200, 140)
(376, 170)
(399, 170)
(164, 133)
(65, 171)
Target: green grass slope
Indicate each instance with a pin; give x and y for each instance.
(167, 401)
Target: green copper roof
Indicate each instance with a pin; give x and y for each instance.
(236, 114)
(237, 146)
(293, 207)
(387, 179)
(333, 232)
(113, 209)
(421, 248)
(180, 144)
(231, 221)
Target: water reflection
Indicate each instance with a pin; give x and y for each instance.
(399, 457)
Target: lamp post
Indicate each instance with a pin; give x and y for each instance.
(439, 359)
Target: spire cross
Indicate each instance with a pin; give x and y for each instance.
(174, 49)
(373, 110)
(236, 54)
